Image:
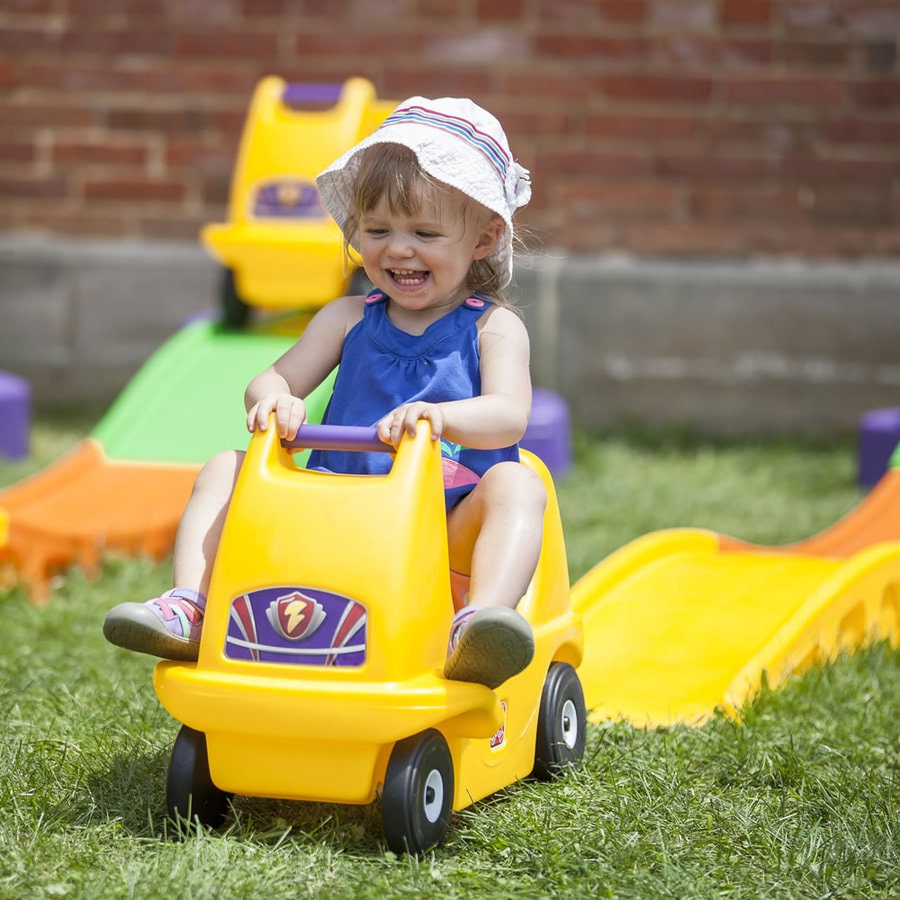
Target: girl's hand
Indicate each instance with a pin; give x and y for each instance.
(290, 414)
(403, 420)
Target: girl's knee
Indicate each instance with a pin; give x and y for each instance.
(220, 472)
(516, 482)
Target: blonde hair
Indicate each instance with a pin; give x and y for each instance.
(392, 172)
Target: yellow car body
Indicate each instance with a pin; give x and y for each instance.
(326, 634)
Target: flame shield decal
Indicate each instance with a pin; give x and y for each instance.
(298, 626)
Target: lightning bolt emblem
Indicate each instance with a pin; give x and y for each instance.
(296, 615)
(296, 612)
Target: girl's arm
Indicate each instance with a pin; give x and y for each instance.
(282, 387)
(499, 415)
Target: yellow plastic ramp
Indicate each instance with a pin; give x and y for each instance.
(676, 627)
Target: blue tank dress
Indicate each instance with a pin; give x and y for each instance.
(383, 367)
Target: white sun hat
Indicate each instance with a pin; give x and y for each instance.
(456, 142)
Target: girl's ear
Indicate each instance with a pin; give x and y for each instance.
(490, 235)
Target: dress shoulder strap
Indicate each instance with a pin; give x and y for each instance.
(375, 296)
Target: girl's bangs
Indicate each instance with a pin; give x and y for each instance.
(391, 172)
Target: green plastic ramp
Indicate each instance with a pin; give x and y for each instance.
(187, 401)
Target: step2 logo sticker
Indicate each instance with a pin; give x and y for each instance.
(498, 739)
(297, 625)
(288, 198)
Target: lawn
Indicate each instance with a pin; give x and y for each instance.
(799, 798)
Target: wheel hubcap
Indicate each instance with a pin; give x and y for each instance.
(433, 797)
(569, 724)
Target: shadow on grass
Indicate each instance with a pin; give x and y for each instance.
(131, 791)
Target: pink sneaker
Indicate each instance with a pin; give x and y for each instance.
(168, 626)
(488, 645)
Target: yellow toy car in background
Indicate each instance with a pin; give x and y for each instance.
(280, 249)
(319, 675)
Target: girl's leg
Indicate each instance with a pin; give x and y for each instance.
(201, 523)
(169, 626)
(495, 535)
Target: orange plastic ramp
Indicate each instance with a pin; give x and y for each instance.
(86, 504)
(676, 627)
(874, 520)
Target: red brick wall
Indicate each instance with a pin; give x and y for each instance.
(698, 127)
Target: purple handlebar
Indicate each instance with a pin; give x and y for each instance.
(337, 437)
(302, 94)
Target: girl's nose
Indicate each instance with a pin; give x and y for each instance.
(400, 246)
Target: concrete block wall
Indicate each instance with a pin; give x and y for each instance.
(731, 348)
(78, 318)
(728, 348)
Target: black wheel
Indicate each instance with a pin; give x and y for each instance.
(235, 311)
(191, 795)
(561, 722)
(418, 793)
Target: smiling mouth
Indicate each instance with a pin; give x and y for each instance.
(408, 277)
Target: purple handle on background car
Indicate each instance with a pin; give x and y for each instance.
(317, 95)
(337, 437)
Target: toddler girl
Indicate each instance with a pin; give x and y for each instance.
(427, 202)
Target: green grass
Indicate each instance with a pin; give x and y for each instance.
(799, 799)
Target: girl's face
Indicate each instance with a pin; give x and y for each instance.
(421, 259)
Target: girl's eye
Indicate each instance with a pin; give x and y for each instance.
(427, 234)
(376, 232)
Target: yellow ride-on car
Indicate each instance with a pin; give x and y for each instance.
(319, 675)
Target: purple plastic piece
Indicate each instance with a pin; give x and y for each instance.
(338, 437)
(548, 435)
(297, 625)
(15, 416)
(879, 434)
(301, 94)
